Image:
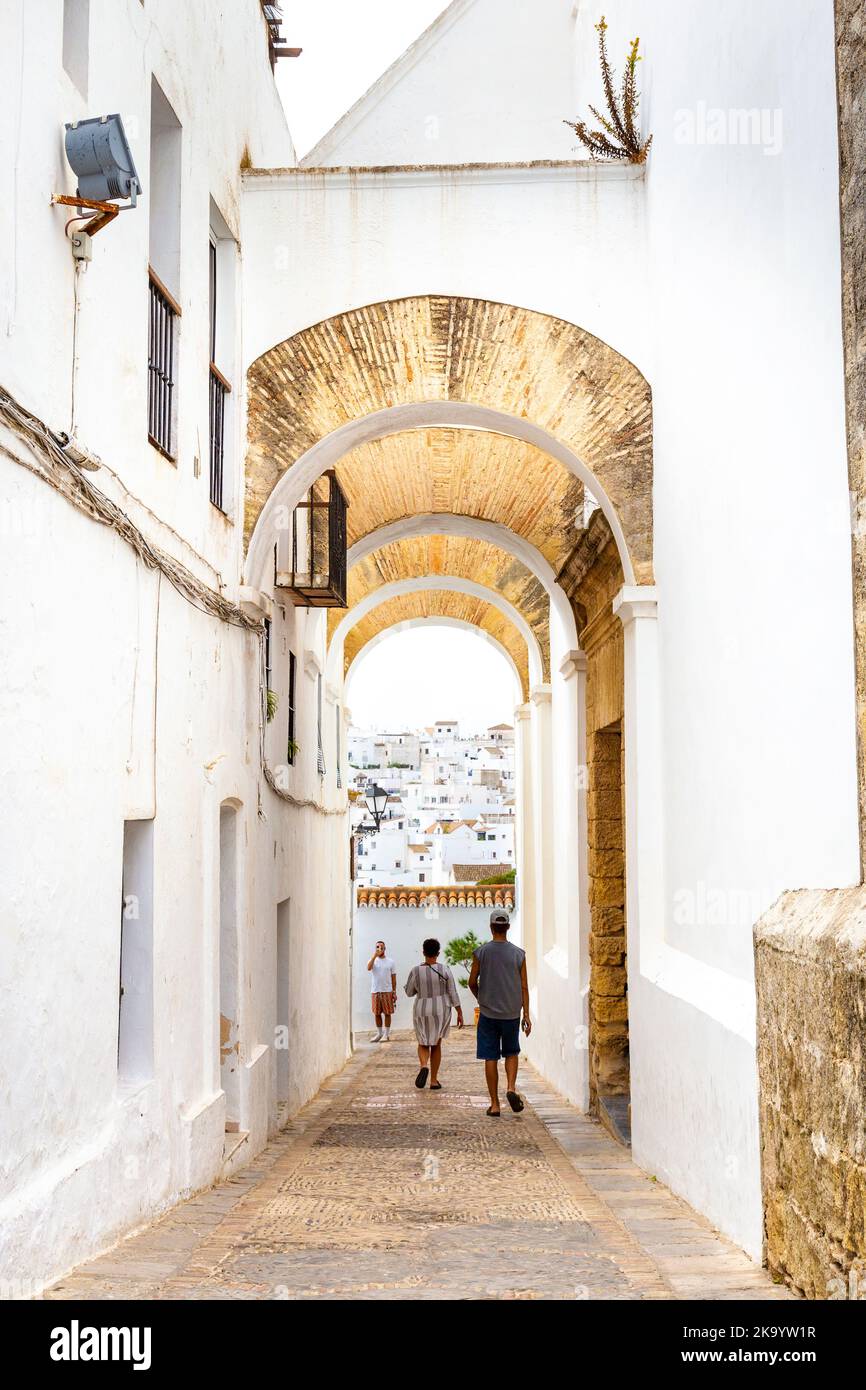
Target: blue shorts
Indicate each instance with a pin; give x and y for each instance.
(497, 1037)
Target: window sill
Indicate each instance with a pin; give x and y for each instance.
(172, 458)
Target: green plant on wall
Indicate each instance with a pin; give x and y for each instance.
(459, 953)
(619, 137)
(273, 701)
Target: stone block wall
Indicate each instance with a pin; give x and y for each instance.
(851, 84)
(608, 1021)
(810, 959)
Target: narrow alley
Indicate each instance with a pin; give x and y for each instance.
(379, 1191)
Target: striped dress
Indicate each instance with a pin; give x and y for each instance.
(435, 995)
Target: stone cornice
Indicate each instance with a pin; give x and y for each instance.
(636, 601)
(254, 603)
(572, 664)
(603, 626)
(590, 545)
(415, 175)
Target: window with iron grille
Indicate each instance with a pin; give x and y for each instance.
(291, 742)
(166, 142)
(320, 759)
(339, 749)
(161, 367)
(218, 386)
(312, 568)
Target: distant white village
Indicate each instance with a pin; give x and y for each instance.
(449, 813)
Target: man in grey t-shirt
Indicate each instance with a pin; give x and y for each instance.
(498, 981)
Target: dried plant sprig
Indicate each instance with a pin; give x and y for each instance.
(619, 136)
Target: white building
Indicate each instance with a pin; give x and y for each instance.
(448, 803)
(148, 851)
(545, 330)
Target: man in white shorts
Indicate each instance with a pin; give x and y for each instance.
(383, 986)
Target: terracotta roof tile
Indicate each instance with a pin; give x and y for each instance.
(455, 895)
(470, 873)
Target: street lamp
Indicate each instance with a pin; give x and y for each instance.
(376, 801)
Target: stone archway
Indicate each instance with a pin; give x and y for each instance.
(449, 419)
(435, 621)
(464, 560)
(451, 524)
(438, 361)
(466, 605)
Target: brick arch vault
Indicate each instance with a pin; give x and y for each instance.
(553, 394)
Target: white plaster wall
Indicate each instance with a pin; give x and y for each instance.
(225, 105)
(88, 634)
(485, 82)
(717, 273)
(84, 1156)
(561, 236)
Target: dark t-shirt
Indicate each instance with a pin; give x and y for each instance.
(500, 992)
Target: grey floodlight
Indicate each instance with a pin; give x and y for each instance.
(99, 153)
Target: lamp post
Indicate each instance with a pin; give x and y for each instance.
(376, 801)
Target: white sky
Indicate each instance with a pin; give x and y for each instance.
(347, 44)
(415, 677)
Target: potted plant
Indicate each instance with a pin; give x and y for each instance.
(459, 953)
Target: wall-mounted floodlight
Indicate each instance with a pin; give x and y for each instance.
(99, 154)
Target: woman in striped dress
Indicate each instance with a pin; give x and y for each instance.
(435, 994)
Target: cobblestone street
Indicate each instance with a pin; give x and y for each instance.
(380, 1191)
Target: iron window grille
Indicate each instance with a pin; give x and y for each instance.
(317, 547)
(290, 737)
(320, 753)
(161, 365)
(268, 671)
(339, 753)
(219, 389)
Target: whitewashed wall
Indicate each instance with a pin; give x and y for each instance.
(455, 98)
(86, 630)
(717, 273)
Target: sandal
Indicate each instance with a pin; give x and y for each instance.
(421, 1079)
(435, 1085)
(514, 1101)
(494, 1114)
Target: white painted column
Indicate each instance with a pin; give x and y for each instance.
(542, 768)
(637, 607)
(524, 849)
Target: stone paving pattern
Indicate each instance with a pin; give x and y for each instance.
(380, 1191)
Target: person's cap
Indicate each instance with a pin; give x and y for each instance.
(498, 918)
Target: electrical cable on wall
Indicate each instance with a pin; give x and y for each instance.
(54, 467)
